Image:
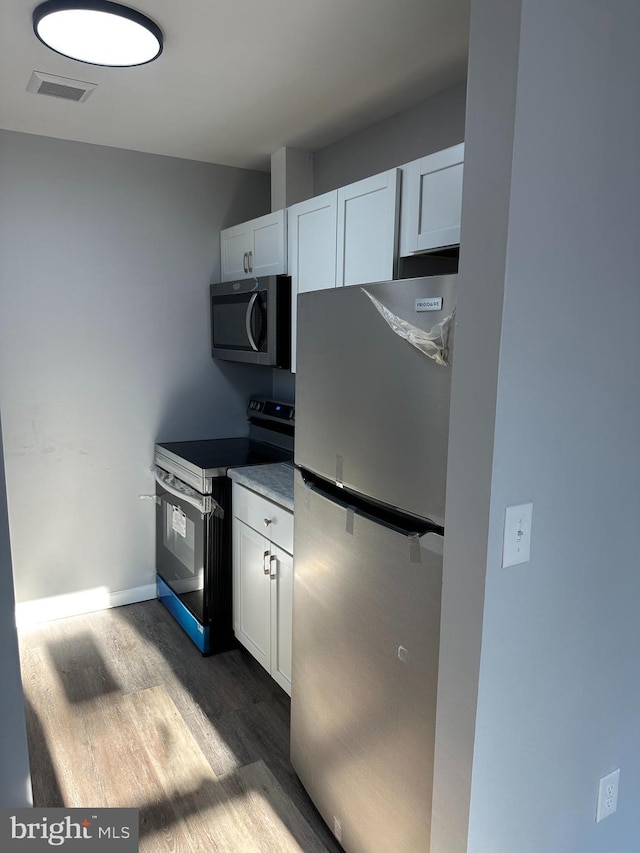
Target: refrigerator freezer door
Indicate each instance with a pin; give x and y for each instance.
(372, 411)
(366, 622)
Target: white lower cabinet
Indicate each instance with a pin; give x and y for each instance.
(263, 582)
(281, 620)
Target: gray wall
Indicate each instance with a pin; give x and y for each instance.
(105, 260)
(488, 152)
(436, 123)
(558, 695)
(15, 779)
(284, 386)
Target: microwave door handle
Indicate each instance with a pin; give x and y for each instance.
(247, 320)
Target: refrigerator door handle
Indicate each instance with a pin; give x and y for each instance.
(433, 542)
(430, 540)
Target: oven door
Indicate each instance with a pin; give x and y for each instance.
(181, 549)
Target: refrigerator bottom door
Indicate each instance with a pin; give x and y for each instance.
(366, 623)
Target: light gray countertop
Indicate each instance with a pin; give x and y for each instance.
(274, 481)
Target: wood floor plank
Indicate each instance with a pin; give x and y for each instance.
(64, 731)
(120, 749)
(123, 710)
(277, 821)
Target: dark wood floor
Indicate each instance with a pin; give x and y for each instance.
(122, 710)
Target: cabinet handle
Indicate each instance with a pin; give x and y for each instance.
(266, 521)
(245, 262)
(273, 562)
(266, 568)
(250, 261)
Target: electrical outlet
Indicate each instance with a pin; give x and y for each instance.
(607, 795)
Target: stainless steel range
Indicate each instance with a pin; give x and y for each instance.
(193, 519)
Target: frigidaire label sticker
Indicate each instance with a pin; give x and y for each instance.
(82, 830)
(429, 303)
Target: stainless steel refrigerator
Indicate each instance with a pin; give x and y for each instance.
(372, 419)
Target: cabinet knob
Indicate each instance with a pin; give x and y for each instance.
(267, 522)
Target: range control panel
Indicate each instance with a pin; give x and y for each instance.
(271, 410)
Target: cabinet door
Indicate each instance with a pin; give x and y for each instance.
(234, 252)
(368, 229)
(432, 201)
(252, 592)
(267, 252)
(281, 616)
(312, 233)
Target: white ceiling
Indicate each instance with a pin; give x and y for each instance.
(239, 79)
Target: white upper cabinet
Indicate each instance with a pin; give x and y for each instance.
(312, 230)
(312, 242)
(346, 236)
(368, 229)
(350, 235)
(268, 256)
(432, 201)
(254, 248)
(234, 244)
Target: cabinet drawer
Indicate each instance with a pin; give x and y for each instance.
(273, 521)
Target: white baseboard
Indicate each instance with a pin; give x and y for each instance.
(76, 603)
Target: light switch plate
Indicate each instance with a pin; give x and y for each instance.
(516, 546)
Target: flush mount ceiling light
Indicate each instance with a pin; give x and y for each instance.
(97, 32)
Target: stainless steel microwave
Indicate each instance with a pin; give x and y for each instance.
(251, 321)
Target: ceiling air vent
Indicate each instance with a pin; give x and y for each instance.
(60, 87)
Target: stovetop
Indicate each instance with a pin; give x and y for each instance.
(271, 428)
(218, 454)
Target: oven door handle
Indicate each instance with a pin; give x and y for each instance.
(205, 503)
(247, 321)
